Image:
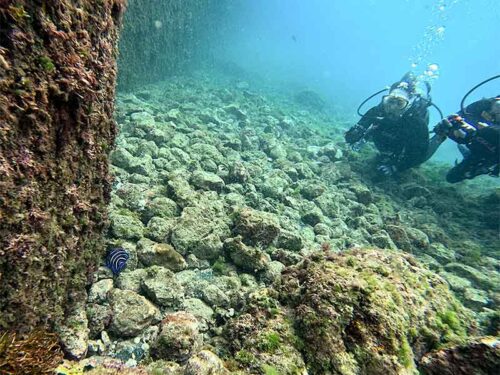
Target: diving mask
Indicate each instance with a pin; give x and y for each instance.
(395, 104)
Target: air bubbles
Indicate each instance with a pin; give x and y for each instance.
(440, 30)
(158, 24)
(432, 71)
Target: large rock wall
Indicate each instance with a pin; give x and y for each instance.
(161, 38)
(57, 86)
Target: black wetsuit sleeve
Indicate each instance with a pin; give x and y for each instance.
(358, 131)
(370, 116)
(416, 143)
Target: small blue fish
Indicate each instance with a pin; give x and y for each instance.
(116, 260)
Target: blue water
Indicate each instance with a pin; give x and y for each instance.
(349, 50)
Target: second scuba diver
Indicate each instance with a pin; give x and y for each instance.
(476, 129)
(398, 127)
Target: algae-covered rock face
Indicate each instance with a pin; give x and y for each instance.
(370, 312)
(57, 129)
(262, 338)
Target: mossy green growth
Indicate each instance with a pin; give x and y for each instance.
(332, 298)
(220, 267)
(405, 354)
(270, 342)
(450, 318)
(245, 357)
(270, 370)
(46, 63)
(452, 329)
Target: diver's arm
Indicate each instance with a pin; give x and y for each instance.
(358, 131)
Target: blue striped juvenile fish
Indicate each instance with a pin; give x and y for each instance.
(116, 260)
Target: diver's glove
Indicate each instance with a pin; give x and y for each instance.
(354, 134)
(442, 127)
(387, 169)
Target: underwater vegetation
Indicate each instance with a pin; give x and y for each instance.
(36, 353)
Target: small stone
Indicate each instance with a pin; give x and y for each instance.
(162, 367)
(105, 339)
(102, 273)
(399, 236)
(441, 253)
(382, 240)
(99, 291)
(160, 207)
(290, 240)
(179, 337)
(99, 317)
(272, 274)
(418, 239)
(207, 181)
(132, 313)
(200, 231)
(161, 286)
(200, 310)
(363, 194)
(96, 347)
(322, 229)
(205, 363)
(160, 254)
(214, 296)
(74, 334)
(126, 227)
(159, 229)
(131, 280)
(256, 227)
(246, 257)
(472, 274)
(312, 217)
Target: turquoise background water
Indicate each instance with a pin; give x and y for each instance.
(348, 50)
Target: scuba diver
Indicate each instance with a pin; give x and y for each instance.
(398, 127)
(476, 130)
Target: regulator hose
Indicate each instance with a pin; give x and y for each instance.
(474, 88)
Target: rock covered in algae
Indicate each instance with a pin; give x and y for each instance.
(54, 159)
(479, 357)
(179, 337)
(370, 312)
(262, 338)
(205, 363)
(131, 313)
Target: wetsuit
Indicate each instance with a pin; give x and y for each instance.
(482, 153)
(403, 141)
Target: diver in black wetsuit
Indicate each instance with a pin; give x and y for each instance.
(476, 129)
(398, 127)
